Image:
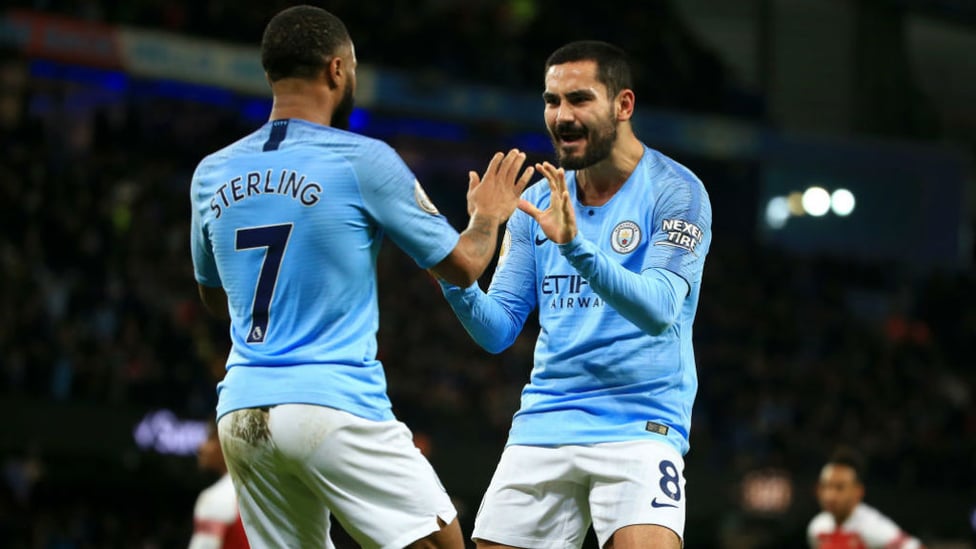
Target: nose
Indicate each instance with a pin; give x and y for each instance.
(564, 113)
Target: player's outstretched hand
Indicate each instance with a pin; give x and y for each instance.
(495, 195)
(558, 221)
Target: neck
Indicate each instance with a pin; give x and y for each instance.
(303, 100)
(598, 183)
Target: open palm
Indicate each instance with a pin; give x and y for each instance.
(558, 221)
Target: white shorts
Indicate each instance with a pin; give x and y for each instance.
(546, 497)
(293, 464)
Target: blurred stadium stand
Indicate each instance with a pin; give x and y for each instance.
(822, 331)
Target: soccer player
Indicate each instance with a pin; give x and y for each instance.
(216, 521)
(609, 250)
(845, 521)
(286, 227)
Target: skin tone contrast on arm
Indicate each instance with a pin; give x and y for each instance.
(492, 198)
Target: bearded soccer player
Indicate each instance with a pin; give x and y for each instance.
(609, 249)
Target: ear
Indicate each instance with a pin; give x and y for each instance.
(335, 72)
(625, 105)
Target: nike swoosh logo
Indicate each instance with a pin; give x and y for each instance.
(540, 241)
(656, 504)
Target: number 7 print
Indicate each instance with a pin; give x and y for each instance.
(275, 239)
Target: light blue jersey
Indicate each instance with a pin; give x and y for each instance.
(606, 367)
(289, 221)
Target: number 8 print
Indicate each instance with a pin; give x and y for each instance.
(670, 480)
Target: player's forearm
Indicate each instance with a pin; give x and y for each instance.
(472, 254)
(651, 301)
(488, 323)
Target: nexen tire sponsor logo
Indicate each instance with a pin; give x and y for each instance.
(681, 234)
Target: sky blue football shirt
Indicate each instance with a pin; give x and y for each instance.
(597, 376)
(289, 221)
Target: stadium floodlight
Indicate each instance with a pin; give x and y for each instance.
(794, 202)
(777, 212)
(842, 202)
(816, 201)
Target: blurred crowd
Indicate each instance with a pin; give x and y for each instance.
(498, 43)
(98, 301)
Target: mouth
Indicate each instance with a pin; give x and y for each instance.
(570, 136)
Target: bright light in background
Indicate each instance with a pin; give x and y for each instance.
(768, 491)
(777, 212)
(795, 203)
(816, 201)
(165, 433)
(842, 202)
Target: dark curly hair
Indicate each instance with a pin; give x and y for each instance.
(612, 63)
(299, 41)
(848, 457)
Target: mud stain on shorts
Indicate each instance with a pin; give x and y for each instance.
(250, 425)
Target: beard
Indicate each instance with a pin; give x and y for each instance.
(342, 112)
(600, 141)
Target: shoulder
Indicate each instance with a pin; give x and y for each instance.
(217, 502)
(676, 192)
(822, 522)
(347, 143)
(667, 173)
(864, 514)
(363, 154)
(874, 519)
(874, 526)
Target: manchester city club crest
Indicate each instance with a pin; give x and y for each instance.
(625, 237)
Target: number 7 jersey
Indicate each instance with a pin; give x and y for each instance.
(289, 222)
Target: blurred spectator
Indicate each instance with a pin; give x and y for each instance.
(216, 520)
(845, 520)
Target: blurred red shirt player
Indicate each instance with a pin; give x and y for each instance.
(845, 522)
(216, 520)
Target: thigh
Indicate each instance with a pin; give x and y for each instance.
(535, 499)
(277, 508)
(371, 475)
(636, 483)
(644, 536)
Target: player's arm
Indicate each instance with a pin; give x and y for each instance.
(881, 531)
(491, 324)
(215, 300)
(491, 201)
(472, 254)
(204, 265)
(885, 533)
(651, 299)
(495, 319)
